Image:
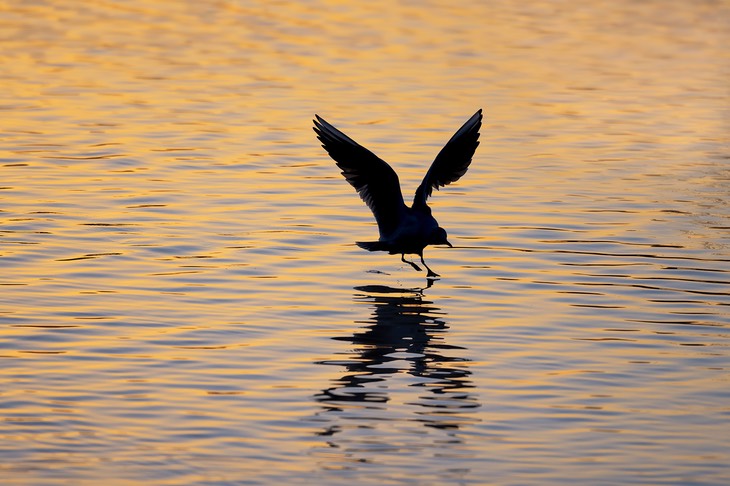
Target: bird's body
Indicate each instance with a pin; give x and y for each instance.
(403, 229)
(411, 236)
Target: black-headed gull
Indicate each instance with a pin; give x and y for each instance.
(402, 229)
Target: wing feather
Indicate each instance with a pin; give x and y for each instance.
(453, 161)
(375, 181)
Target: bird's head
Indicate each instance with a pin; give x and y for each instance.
(438, 237)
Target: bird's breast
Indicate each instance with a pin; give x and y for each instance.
(412, 234)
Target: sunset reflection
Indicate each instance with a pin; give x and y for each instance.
(178, 252)
(400, 371)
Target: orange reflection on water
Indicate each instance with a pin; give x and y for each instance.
(182, 300)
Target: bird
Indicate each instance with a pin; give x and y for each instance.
(403, 229)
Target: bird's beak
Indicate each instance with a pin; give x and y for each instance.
(450, 245)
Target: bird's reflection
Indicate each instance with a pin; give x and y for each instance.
(400, 368)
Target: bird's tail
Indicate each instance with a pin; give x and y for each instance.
(372, 245)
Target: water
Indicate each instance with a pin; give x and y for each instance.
(182, 301)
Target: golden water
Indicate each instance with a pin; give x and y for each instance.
(181, 301)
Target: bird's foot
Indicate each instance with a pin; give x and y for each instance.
(431, 273)
(416, 267)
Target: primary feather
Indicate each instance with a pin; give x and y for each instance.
(453, 161)
(375, 181)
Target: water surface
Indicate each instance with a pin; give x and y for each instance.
(182, 302)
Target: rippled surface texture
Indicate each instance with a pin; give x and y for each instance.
(182, 302)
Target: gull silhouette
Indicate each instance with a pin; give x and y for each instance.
(402, 229)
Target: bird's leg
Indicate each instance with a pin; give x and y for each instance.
(403, 259)
(431, 273)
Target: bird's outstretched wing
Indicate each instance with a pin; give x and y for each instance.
(453, 160)
(375, 181)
